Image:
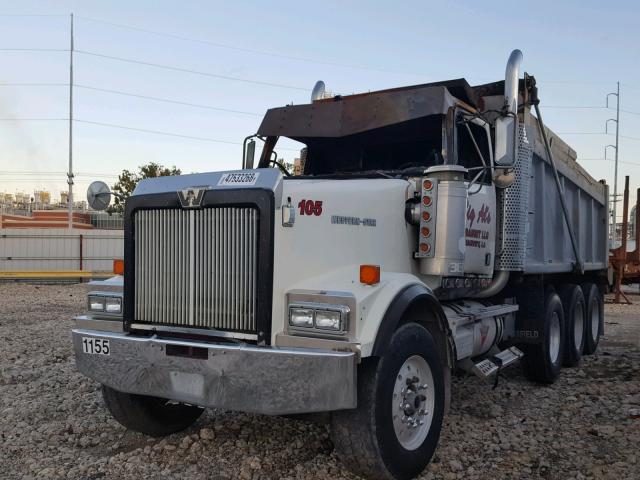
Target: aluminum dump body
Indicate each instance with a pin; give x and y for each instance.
(536, 236)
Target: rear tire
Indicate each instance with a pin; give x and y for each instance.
(575, 310)
(377, 440)
(152, 416)
(542, 362)
(594, 319)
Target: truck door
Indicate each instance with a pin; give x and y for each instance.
(474, 152)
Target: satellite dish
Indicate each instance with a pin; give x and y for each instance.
(318, 91)
(99, 195)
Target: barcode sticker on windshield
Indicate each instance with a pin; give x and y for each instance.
(233, 179)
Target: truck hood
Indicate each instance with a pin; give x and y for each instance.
(260, 178)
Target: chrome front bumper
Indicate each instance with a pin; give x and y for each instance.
(241, 377)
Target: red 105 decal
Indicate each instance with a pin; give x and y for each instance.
(310, 207)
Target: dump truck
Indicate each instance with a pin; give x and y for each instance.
(433, 228)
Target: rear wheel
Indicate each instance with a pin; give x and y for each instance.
(152, 416)
(542, 361)
(394, 431)
(574, 314)
(595, 317)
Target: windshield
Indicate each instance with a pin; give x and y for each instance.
(411, 144)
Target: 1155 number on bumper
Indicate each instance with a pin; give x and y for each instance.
(95, 346)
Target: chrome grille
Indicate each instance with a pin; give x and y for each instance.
(197, 268)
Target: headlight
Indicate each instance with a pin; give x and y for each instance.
(113, 305)
(319, 316)
(105, 302)
(328, 320)
(301, 317)
(96, 304)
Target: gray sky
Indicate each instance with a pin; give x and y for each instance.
(576, 49)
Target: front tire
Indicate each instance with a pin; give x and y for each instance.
(395, 429)
(542, 362)
(152, 416)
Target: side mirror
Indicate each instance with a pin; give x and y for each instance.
(99, 195)
(505, 142)
(249, 155)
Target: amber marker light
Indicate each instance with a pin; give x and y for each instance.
(369, 274)
(118, 267)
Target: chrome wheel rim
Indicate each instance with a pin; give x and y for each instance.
(595, 321)
(578, 325)
(413, 402)
(554, 337)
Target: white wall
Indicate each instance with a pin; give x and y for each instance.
(59, 249)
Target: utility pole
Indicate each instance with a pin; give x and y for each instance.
(615, 174)
(70, 173)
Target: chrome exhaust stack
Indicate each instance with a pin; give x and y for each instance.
(511, 78)
(506, 126)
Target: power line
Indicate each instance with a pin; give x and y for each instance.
(29, 175)
(169, 134)
(247, 50)
(582, 133)
(231, 110)
(194, 72)
(573, 106)
(607, 160)
(143, 130)
(135, 95)
(34, 50)
(156, 132)
(33, 15)
(587, 82)
(33, 119)
(34, 84)
(167, 100)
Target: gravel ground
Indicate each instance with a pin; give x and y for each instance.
(53, 423)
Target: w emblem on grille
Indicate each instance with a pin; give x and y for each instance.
(191, 197)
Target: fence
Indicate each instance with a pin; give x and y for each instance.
(59, 249)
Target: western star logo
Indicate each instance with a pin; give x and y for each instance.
(191, 197)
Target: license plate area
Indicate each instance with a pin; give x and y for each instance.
(96, 346)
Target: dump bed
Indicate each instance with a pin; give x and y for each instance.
(536, 238)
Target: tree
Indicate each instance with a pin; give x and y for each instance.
(127, 182)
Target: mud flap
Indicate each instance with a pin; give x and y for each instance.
(529, 318)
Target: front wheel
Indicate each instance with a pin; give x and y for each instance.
(394, 431)
(152, 416)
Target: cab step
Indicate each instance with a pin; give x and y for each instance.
(490, 366)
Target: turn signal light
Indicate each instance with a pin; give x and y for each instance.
(426, 200)
(118, 267)
(427, 184)
(369, 274)
(425, 247)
